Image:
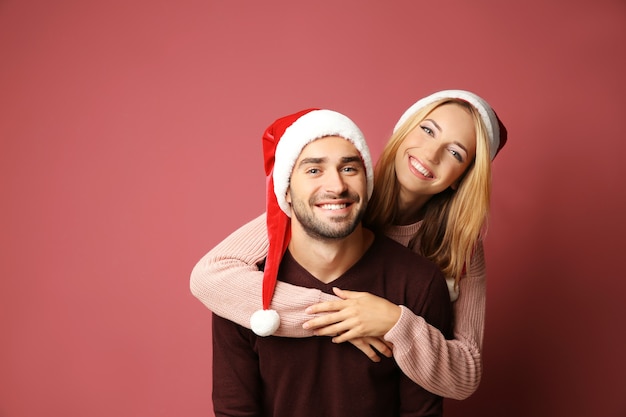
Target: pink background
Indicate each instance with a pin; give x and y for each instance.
(130, 145)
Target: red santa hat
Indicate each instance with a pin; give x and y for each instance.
(283, 141)
(495, 129)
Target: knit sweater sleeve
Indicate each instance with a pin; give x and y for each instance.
(450, 368)
(228, 282)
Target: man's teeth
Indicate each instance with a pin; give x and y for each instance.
(333, 206)
(421, 169)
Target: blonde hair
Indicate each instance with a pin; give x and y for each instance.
(453, 221)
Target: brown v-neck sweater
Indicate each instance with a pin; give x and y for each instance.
(290, 377)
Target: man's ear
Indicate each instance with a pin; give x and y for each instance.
(288, 195)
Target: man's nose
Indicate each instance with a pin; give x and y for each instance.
(335, 182)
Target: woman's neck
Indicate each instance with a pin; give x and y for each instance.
(410, 208)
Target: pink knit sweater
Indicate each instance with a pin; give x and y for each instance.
(228, 282)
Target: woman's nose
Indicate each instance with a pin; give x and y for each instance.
(432, 152)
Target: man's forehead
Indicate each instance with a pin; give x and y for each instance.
(330, 146)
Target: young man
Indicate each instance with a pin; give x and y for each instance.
(319, 181)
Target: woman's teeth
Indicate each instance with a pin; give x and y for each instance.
(421, 169)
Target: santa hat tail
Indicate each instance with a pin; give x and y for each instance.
(279, 234)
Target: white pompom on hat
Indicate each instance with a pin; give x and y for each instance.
(283, 142)
(495, 129)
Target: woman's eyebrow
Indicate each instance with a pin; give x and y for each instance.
(457, 143)
(433, 122)
(460, 145)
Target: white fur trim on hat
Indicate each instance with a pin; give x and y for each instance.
(484, 109)
(314, 125)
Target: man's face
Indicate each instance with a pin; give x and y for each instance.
(328, 188)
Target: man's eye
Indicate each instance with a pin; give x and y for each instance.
(351, 170)
(313, 171)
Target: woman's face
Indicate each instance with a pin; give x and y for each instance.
(436, 153)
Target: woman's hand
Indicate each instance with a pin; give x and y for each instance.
(357, 315)
(371, 346)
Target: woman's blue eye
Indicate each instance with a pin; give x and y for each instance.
(457, 155)
(427, 130)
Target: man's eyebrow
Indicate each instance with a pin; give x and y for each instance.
(348, 159)
(312, 161)
(321, 160)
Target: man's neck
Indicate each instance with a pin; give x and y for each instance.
(327, 260)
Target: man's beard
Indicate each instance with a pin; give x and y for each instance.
(328, 229)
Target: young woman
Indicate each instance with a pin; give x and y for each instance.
(432, 188)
